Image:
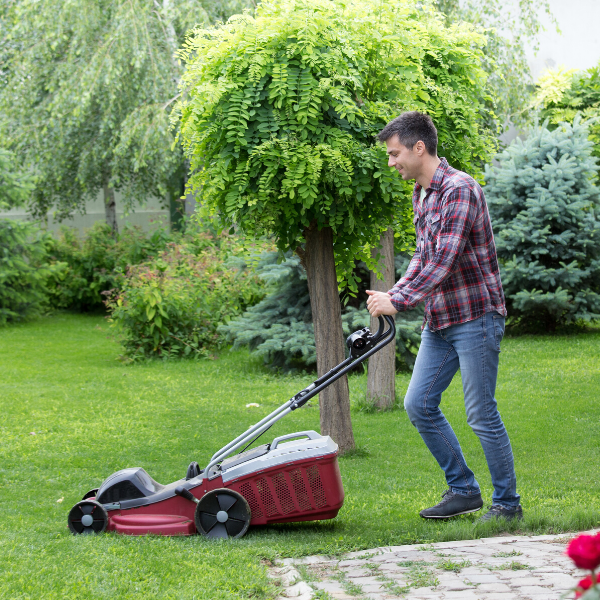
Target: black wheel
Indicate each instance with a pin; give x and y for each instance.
(87, 517)
(90, 494)
(222, 514)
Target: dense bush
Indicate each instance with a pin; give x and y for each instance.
(563, 94)
(545, 212)
(172, 305)
(97, 263)
(280, 329)
(23, 270)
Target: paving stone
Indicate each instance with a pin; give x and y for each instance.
(493, 587)
(499, 596)
(535, 590)
(298, 590)
(356, 572)
(481, 577)
(462, 595)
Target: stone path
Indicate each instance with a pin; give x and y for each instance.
(499, 568)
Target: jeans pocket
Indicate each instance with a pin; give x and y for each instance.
(498, 329)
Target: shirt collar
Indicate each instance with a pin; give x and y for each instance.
(438, 176)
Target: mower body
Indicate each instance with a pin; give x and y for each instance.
(281, 482)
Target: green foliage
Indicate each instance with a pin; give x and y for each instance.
(97, 263)
(545, 211)
(563, 94)
(279, 328)
(172, 305)
(282, 109)
(509, 28)
(86, 91)
(15, 186)
(23, 271)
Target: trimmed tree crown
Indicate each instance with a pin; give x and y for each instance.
(282, 111)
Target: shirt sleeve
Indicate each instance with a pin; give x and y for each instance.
(458, 216)
(413, 269)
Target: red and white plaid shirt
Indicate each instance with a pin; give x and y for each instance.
(454, 268)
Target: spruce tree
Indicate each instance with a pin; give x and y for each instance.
(545, 210)
(280, 330)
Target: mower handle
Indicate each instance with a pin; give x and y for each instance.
(379, 339)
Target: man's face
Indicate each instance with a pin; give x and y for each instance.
(406, 162)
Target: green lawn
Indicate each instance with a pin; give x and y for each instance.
(92, 415)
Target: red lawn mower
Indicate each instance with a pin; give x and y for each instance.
(294, 478)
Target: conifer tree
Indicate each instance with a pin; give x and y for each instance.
(545, 211)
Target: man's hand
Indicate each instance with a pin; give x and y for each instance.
(379, 303)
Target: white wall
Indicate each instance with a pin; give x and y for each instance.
(578, 44)
(149, 217)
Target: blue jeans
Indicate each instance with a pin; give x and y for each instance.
(474, 348)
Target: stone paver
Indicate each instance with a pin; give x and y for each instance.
(501, 568)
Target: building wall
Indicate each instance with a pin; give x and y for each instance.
(150, 216)
(578, 44)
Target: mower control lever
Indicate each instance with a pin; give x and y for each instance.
(185, 493)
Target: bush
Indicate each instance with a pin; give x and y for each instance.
(563, 94)
(545, 212)
(279, 328)
(97, 263)
(23, 270)
(172, 305)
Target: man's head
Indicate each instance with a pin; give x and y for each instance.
(411, 141)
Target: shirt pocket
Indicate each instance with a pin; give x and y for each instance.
(432, 227)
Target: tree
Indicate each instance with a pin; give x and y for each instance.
(87, 90)
(381, 378)
(561, 94)
(546, 214)
(279, 123)
(15, 185)
(509, 27)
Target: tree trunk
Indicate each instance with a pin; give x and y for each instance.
(381, 378)
(334, 401)
(110, 208)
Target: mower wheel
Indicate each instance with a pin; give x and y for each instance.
(222, 513)
(90, 494)
(87, 517)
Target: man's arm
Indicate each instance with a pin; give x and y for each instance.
(379, 303)
(458, 216)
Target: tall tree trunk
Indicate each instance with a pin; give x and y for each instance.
(334, 401)
(110, 208)
(381, 378)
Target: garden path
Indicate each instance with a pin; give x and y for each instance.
(508, 567)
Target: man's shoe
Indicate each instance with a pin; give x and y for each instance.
(452, 505)
(500, 512)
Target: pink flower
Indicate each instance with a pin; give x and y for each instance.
(584, 551)
(582, 586)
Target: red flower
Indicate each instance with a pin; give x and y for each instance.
(584, 551)
(582, 586)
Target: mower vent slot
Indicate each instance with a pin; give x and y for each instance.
(283, 493)
(266, 497)
(248, 493)
(316, 486)
(300, 489)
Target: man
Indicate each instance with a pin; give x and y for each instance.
(455, 272)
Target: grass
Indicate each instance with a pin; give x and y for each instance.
(72, 415)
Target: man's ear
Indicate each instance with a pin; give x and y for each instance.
(420, 148)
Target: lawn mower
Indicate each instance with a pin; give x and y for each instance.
(294, 478)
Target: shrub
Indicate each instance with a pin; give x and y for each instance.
(172, 305)
(279, 328)
(97, 263)
(545, 212)
(563, 94)
(23, 272)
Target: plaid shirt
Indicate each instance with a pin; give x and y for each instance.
(454, 268)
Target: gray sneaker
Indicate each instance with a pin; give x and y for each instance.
(452, 505)
(500, 512)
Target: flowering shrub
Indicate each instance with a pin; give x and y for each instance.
(172, 305)
(584, 551)
(96, 263)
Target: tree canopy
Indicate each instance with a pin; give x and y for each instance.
(281, 110)
(87, 89)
